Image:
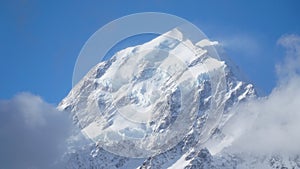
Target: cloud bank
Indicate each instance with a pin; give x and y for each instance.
(271, 124)
(33, 133)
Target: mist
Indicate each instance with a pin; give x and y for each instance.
(271, 124)
(33, 133)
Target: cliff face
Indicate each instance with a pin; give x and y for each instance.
(165, 88)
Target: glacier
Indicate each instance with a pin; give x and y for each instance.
(161, 104)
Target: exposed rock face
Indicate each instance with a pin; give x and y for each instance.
(91, 100)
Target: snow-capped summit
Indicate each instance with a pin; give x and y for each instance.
(163, 100)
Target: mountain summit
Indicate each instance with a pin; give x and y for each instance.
(161, 104)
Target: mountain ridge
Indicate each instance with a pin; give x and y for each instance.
(190, 151)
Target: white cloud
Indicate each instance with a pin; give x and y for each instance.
(291, 65)
(33, 133)
(271, 124)
(245, 44)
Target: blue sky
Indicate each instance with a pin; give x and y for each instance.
(40, 41)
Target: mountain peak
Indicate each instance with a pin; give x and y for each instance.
(162, 96)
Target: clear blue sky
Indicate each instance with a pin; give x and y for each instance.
(40, 40)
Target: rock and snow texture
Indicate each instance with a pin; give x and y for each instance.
(140, 72)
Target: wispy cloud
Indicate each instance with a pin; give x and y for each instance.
(271, 124)
(291, 65)
(245, 44)
(33, 133)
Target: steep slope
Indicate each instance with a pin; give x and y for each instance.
(117, 99)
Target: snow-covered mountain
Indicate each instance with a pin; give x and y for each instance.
(170, 88)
